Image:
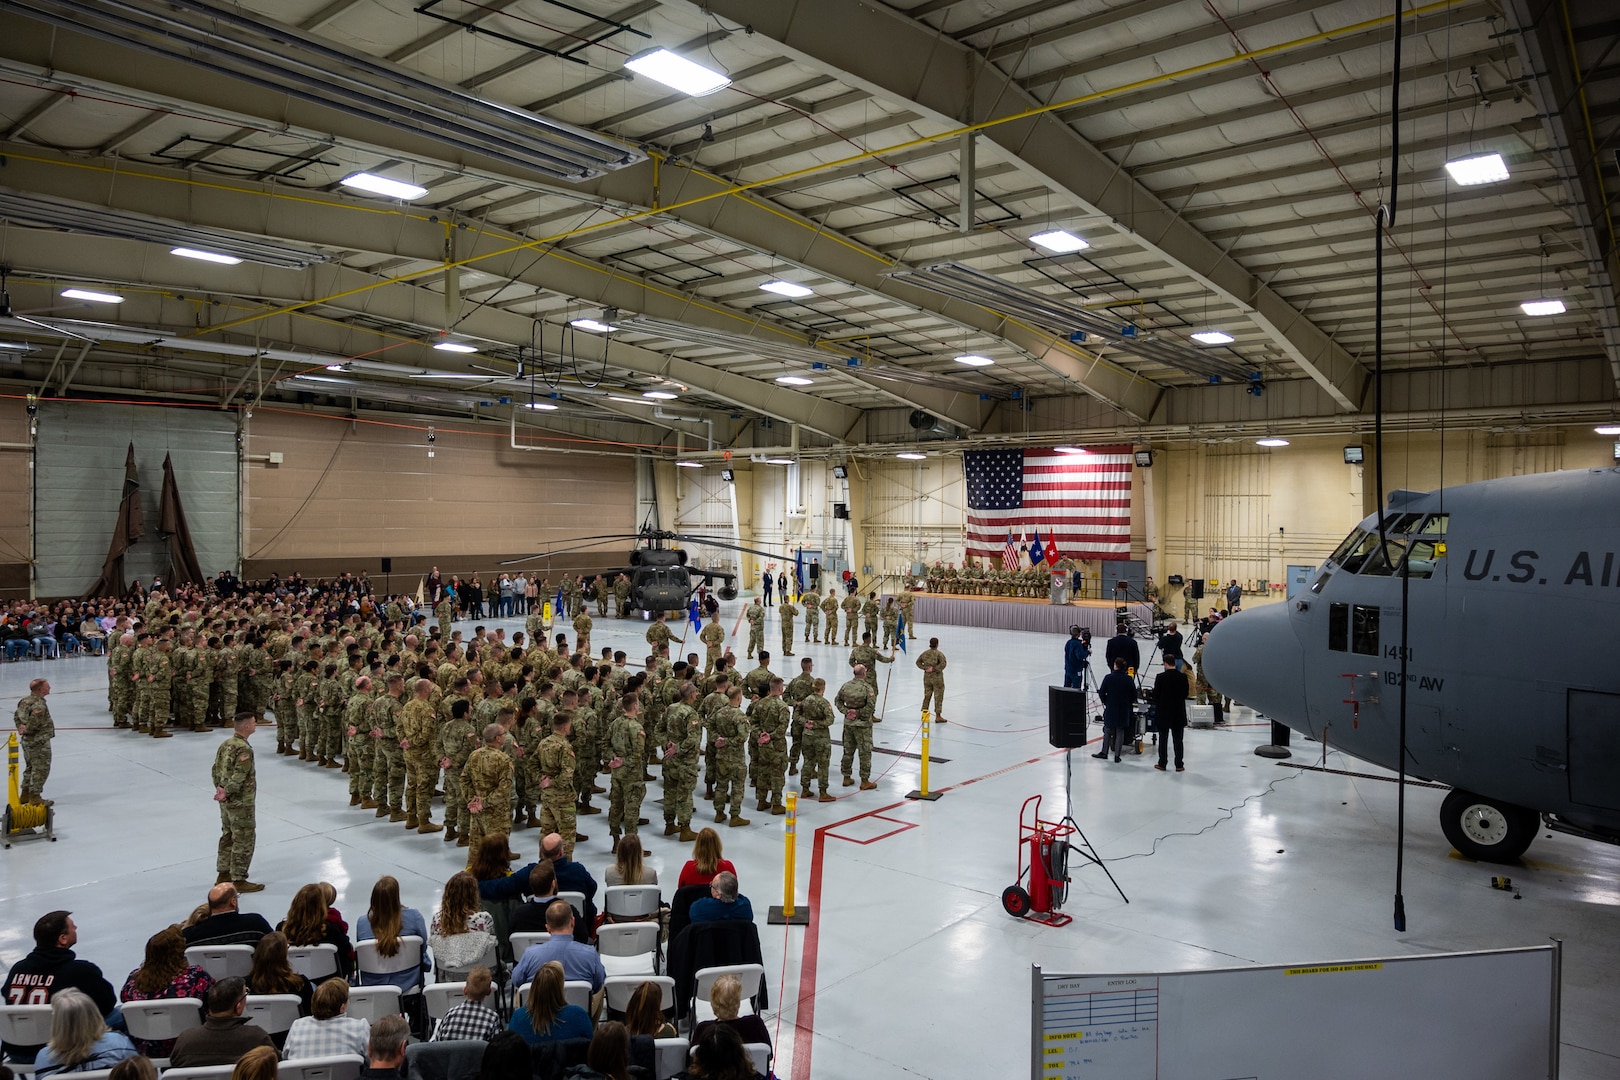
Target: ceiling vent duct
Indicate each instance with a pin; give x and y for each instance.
(928, 426)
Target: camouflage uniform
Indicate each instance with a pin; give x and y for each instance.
(815, 714)
(582, 631)
(457, 740)
(802, 686)
(234, 771)
(852, 609)
(755, 614)
(183, 662)
(812, 618)
(444, 611)
(357, 750)
(713, 637)
(121, 683)
(890, 618)
(305, 688)
(34, 725)
(870, 658)
(529, 736)
(787, 611)
(487, 777)
(908, 607)
(829, 608)
(201, 684)
(657, 635)
(227, 673)
(628, 741)
(388, 760)
(770, 716)
(933, 681)
(869, 616)
(418, 723)
(557, 799)
(600, 589)
(685, 731)
(731, 768)
(621, 596)
(857, 699)
(587, 753)
(156, 674)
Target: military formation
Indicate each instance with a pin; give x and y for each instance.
(993, 579)
(515, 734)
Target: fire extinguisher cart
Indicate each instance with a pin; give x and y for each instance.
(1043, 866)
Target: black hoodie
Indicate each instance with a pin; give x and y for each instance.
(36, 978)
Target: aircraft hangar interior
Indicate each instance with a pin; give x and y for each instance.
(1036, 313)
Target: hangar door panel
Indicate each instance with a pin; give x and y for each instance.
(79, 479)
(1594, 749)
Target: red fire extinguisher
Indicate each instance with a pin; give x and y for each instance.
(1040, 862)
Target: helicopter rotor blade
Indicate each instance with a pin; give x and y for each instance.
(715, 541)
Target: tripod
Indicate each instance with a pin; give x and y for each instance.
(1084, 849)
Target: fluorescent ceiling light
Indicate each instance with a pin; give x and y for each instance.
(205, 256)
(778, 461)
(794, 380)
(1606, 429)
(15, 346)
(912, 457)
(1059, 240)
(455, 347)
(592, 325)
(381, 185)
(974, 361)
(673, 70)
(1478, 169)
(629, 400)
(98, 297)
(1214, 337)
(660, 395)
(689, 464)
(337, 367)
(1271, 442)
(1542, 307)
(787, 288)
(544, 406)
(1071, 449)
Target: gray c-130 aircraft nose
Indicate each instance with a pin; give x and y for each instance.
(1253, 657)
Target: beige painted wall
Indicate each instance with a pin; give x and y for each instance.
(346, 495)
(17, 499)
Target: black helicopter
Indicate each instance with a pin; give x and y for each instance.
(660, 579)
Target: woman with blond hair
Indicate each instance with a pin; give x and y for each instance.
(726, 999)
(307, 923)
(272, 972)
(705, 861)
(165, 973)
(462, 931)
(628, 867)
(385, 922)
(80, 1041)
(547, 1016)
(257, 1064)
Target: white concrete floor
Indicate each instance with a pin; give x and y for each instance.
(910, 944)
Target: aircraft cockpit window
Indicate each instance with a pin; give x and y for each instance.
(1383, 560)
(1344, 549)
(1366, 544)
(1364, 630)
(1321, 582)
(1434, 525)
(1339, 627)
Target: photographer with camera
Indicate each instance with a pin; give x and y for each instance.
(1077, 658)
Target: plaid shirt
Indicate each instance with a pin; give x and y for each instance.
(312, 1038)
(469, 1020)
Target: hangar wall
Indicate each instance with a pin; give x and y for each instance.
(16, 523)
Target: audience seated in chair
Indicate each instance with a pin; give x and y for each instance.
(718, 1055)
(723, 902)
(165, 973)
(471, 1018)
(226, 925)
(257, 1064)
(53, 965)
(725, 997)
(225, 1035)
(546, 1015)
(385, 922)
(328, 1030)
(80, 1041)
(386, 1050)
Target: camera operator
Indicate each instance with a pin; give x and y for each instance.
(1170, 643)
(1076, 657)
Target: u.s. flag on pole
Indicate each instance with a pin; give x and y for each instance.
(1010, 557)
(1081, 501)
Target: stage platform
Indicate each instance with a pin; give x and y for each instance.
(1020, 613)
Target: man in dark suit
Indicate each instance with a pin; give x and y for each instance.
(1170, 710)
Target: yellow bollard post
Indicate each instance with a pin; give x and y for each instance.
(788, 914)
(923, 792)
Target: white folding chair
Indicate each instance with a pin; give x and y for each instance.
(222, 961)
(631, 902)
(200, 1072)
(162, 1019)
(748, 974)
(621, 987)
(444, 996)
(485, 959)
(409, 958)
(93, 1074)
(315, 962)
(372, 1003)
(273, 1012)
(760, 1055)
(670, 1056)
(576, 900)
(579, 993)
(25, 1025)
(521, 942)
(336, 1067)
(628, 948)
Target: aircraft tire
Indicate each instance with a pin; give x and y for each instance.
(1487, 829)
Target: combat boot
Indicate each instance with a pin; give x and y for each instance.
(430, 826)
(614, 848)
(586, 808)
(463, 841)
(778, 809)
(332, 763)
(367, 803)
(826, 797)
(793, 770)
(248, 886)
(396, 815)
(410, 821)
(222, 879)
(449, 833)
(598, 789)
(761, 804)
(687, 835)
(719, 817)
(382, 811)
(867, 785)
(670, 828)
(303, 753)
(354, 799)
(849, 781)
(199, 727)
(164, 733)
(737, 822)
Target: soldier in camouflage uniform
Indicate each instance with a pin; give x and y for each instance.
(587, 732)
(621, 596)
(202, 683)
(797, 691)
(530, 733)
(768, 719)
(558, 794)
(418, 724)
(444, 611)
(458, 738)
(329, 701)
(890, 618)
(815, 715)
(121, 680)
(184, 662)
(865, 656)
(755, 614)
(932, 663)
(487, 781)
(627, 740)
(157, 676)
(235, 788)
(713, 637)
(388, 762)
(658, 635)
(357, 748)
(856, 699)
(812, 618)
(908, 607)
(852, 614)
(869, 614)
(583, 623)
(683, 749)
(35, 730)
(787, 611)
(730, 730)
(227, 672)
(305, 686)
(829, 610)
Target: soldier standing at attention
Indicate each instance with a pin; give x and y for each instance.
(35, 730)
(418, 721)
(557, 792)
(160, 678)
(388, 767)
(864, 656)
(797, 691)
(812, 618)
(587, 748)
(139, 661)
(730, 728)
(890, 618)
(769, 717)
(756, 627)
(852, 612)
(582, 631)
(658, 633)
(457, 740)
(712, 636)
(357, 748)
(682, 751)
(184, 661)
(202, 681)
(869, 615)
(856, 698)
(121, 680)
(932, 663)
(621, 596)
(487, 780)
(829, 611)
(788, 611)
(627, 740)
(235, 787)
(908, 605)
(815, 714)
(600, 589)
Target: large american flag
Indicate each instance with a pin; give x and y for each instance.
(1080, 502)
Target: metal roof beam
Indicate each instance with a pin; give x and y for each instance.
(908, 62)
